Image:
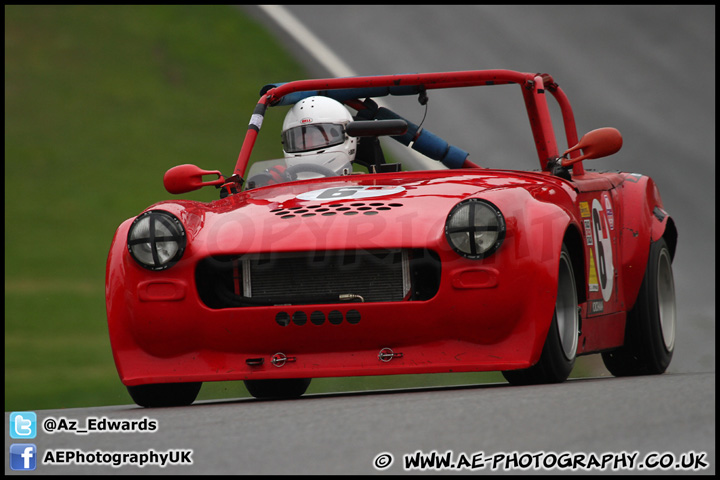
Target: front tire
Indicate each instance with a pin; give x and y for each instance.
(165, 394)
(560, 350)
(277, 389)
(650, 326)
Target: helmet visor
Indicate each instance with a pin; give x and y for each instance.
(312, 137)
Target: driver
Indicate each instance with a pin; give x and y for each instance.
(314, 139)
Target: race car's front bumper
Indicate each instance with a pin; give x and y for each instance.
(483, 317)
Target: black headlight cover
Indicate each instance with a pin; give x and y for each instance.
(156, 240)
(475, 228)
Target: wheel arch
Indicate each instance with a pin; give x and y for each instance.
(644, 221)
(573, 240)
(670, 234)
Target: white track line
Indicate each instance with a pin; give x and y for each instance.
(337, 68)
(302, 35)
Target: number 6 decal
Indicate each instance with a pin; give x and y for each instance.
(340, 192)
(603, 250)
(351, 192)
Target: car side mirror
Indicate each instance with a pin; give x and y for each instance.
(595, 144)
(374, 128)
(186, 178)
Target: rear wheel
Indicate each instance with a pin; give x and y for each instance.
(277, 389)
(560, 349)
(165, 394)
(650, 327)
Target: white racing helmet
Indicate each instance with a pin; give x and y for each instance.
(314, 133)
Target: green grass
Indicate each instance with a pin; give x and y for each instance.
(99, 102)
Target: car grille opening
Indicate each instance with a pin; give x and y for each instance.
(305, 278)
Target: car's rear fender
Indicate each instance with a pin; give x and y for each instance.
(644, 221)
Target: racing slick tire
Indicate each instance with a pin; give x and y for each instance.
(277, 389)
(560, 350)
(650, 326)
(165, 394)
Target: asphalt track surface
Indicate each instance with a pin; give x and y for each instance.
(648, 71)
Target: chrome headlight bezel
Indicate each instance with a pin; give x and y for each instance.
(475, 228)
(156, 240)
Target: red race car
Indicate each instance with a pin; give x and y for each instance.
(305, 268)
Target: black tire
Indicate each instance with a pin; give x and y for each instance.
(165, 394)
(277, 389)
(650, 326)
(560, 350)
